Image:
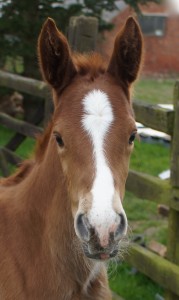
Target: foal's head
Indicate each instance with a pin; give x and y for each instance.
(94, 131)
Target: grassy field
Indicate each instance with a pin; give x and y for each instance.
(154, 90)
(142, 215)
(131, 285)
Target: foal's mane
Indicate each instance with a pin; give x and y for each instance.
(89, 64)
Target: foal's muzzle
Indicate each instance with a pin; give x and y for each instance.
(92, 245)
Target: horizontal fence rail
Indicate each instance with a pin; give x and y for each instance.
(22, 127)
(154, 117)
(157, 268)
(149, 187)
(150, 115)
(10, 156)
(22, 84)
(152, 188)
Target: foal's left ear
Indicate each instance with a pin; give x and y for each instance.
(127, 54)
(54, 56)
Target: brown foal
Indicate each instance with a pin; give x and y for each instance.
(61, 213)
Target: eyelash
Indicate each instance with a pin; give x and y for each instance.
(132, 138)
(59, 139)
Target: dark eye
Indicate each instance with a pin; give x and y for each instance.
(59, 139)
(132, 138)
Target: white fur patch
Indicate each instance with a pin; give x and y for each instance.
(92, 276)
(97, 119)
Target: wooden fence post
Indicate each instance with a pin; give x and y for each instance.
(3, 164)
(173, 227)
(82, 33)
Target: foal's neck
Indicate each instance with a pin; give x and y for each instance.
(47, 193)
(46, 190)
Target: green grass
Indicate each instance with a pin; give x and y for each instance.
(24, 150)
(131, 285)
(144, 219)
(5, 135)
(150, 158)
(154, 90)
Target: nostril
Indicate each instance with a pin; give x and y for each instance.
(121, 230)
(82, 227)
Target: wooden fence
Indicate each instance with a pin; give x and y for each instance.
(164, 271)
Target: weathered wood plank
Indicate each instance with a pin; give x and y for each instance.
(148, 187)
(173, 226)
(3, 164)
(154, 117)
(23, 84)
(18, 138)
(174, 202)
(11, 157)
(157, 268)
(82, 33)
(173, 237)
(22, 127)
(175, 141)
(171, 296)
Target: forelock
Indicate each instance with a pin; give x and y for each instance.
(89, 64)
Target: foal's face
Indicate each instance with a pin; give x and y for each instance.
(94, 131)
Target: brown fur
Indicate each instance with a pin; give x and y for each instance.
(40, 255)
(92, 64)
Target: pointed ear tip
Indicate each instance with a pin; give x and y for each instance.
(49, 22)
(132, 20)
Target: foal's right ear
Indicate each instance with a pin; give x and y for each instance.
(54, 56)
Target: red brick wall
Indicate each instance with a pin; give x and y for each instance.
(161, 53)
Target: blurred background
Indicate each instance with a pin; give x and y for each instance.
(20, 24)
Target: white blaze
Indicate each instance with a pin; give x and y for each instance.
(97, 119)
